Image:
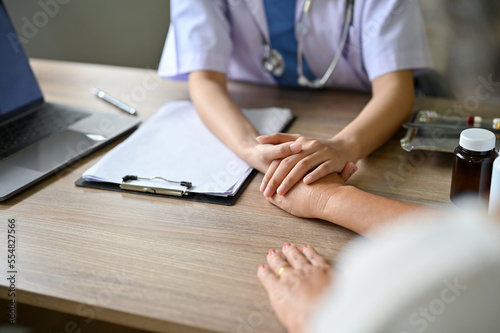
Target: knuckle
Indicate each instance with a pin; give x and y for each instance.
(314, 257)
(278, 202)
(274, 259)
(285, 183)
(314, 144)
(291, 180)
(272, 183)
(308, 270)
(311, 254)
(287, 163)
(275, 163)
(319, 260)
(318, 169)
(301, 139)
(282, 150)
(325, 150)
(306, 164)
(294, 280)
(322, 170)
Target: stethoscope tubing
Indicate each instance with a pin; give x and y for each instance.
(273, 63)
(320, 83)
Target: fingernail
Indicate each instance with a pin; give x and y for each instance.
(286, 245)
(295, 147)
(353, 170)
(262, 187)
(272, 251)
(280, 190)
(267, 192)
(307, 179)
(303, 247)
(261, 266)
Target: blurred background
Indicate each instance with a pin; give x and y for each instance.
(464, 35)
(114, 32)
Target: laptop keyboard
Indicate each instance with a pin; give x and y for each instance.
(42, 123)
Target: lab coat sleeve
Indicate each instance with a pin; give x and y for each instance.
(393, 37)
(198, 39)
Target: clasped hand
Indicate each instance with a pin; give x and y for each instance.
(316, 159)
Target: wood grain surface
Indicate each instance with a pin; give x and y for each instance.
(168, 265)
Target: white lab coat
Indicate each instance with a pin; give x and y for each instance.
(223, 36)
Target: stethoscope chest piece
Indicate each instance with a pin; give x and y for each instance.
(273, 62)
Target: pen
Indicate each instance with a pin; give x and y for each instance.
(119, 104)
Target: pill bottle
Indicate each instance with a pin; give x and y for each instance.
(494, 206)
(472, 165)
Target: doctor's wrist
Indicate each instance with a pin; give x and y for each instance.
(350, 149)
(251, 155)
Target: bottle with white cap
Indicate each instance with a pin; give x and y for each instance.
(473, 164)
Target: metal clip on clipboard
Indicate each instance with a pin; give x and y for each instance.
(125, 185)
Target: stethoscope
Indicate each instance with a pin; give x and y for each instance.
(273, 62)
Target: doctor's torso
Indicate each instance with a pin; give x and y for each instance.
(226, 36)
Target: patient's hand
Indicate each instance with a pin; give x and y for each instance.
(310, 200)
(294, 282)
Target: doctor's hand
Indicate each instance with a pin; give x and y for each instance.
(316, 159)
(261, 156)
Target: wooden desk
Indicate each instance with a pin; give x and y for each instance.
(162, 264)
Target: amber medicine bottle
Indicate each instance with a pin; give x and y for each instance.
(473, 164)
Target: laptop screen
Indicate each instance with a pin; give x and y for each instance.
(18, 86)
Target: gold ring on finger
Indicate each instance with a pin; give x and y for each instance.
(282, 269)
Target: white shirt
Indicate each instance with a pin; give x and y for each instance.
(223, 36)
(432, 275)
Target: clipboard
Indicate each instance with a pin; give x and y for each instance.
(260, 119)
(196, 197)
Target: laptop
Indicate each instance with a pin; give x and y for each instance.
(38, 138)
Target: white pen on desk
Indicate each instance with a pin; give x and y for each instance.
(119, 104)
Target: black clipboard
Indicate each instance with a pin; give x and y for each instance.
(196, 197)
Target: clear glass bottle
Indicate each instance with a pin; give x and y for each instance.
(473, 164)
